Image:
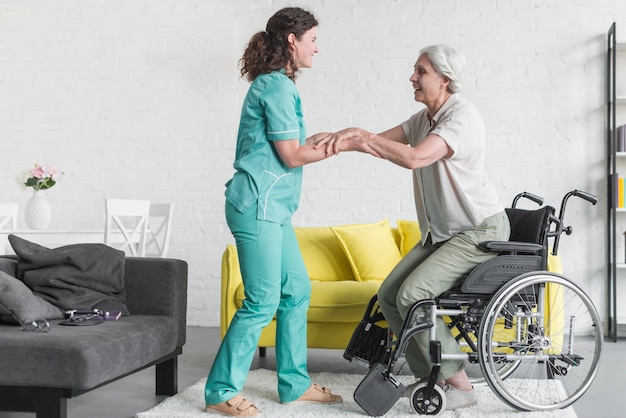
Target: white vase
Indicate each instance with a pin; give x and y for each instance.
(37, 211)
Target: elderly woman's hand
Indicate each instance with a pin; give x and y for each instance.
(360, 143)
(333, 142)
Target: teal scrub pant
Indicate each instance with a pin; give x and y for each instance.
(276, 283)
(427, 271)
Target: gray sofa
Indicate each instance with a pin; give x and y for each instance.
(40, 371)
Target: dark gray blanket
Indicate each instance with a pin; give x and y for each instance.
(79, 276)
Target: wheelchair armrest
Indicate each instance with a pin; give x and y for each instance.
(511, 247)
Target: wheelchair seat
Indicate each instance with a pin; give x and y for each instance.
(526, 251)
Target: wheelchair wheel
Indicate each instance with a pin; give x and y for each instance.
(423, 405)
(551, 328)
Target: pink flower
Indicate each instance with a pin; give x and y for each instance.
(54, 173)
(41, 177)
(38, 172)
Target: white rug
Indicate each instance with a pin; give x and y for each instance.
(261, 389)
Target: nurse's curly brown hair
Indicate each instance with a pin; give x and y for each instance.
(268, 51)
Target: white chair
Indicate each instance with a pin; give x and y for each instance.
(8, 215)
(128, 218)
(159, 229)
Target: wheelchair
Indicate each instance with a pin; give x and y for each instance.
(533, 336)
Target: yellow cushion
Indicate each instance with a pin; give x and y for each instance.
(343, 301)
(340, 301)
(323, 255)
(410, 234)
(396, 236)
(370, 249)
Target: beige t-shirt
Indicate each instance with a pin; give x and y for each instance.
(453, 194)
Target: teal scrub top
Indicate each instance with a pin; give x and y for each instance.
(271, 111)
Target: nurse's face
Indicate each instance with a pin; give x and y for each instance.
(304, 48)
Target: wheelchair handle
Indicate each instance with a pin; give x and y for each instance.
(578, 193)
(593, 199)
(537, 199)
(584, 195)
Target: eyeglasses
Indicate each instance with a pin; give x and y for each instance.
(38, 325)
(83, 317)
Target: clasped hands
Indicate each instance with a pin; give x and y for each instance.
(349, 139)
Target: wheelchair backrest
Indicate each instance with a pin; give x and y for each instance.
(530, 225)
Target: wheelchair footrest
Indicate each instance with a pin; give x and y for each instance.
(378, 391)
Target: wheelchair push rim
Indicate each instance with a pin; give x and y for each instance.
(555, 335)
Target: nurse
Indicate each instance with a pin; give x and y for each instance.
(261, 197)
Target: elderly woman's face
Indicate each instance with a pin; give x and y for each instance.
(427, 82)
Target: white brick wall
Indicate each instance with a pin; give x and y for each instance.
(141, 99)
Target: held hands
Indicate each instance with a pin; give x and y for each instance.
(349, 139)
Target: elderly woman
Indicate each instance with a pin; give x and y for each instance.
(457, 208)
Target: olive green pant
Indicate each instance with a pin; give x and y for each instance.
(426, 272)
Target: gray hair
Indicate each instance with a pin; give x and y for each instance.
(448, 62)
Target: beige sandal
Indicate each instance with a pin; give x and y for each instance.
(237, 406)
(318, 394)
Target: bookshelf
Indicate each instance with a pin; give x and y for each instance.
(616, 168)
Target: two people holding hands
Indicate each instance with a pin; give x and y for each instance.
(443, 144)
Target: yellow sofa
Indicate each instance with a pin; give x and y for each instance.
(346, 265)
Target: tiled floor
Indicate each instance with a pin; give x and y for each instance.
(122, 399)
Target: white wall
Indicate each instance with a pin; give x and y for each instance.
(141, 99)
